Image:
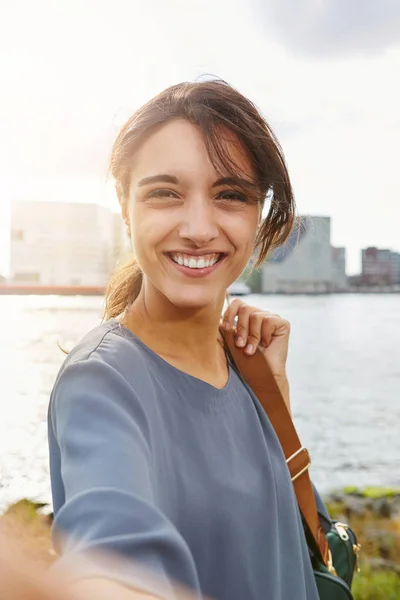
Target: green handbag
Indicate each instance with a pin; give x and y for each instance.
(334, 583)
(334, 554)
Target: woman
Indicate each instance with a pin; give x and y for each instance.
(158, 453)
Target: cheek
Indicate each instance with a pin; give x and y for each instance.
(149, 229)
(242, 229)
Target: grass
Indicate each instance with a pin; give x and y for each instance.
(380, 585)
(380, 540)
(372, 492)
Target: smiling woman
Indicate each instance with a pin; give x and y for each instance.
(189, 215)
(191, 134)
(159, 452)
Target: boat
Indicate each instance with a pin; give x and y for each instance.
(239, 288)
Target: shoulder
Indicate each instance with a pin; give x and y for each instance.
(109, 348)
(109, 342)
(106, 371)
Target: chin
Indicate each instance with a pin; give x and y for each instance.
(196, 300)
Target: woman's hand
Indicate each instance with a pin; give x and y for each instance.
(22, 578)
(262, 330)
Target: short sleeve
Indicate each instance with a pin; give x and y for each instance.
(100, 436)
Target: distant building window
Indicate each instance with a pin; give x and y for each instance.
(17, 235)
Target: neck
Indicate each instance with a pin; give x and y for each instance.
(182, 334)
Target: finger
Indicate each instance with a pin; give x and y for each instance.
(272, 326)
(231, 313)
(242, 325)
(267, 331)
(256, 320)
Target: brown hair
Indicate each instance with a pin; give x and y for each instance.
(211, 105)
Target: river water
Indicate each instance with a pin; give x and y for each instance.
(344, 369)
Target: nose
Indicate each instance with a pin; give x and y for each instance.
(199, 223)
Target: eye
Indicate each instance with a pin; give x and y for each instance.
(162, 193)
(232, 195)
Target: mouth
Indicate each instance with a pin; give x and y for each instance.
(196, 265)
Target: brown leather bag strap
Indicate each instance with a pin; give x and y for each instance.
(257, 374)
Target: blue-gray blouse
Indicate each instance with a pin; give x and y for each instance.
(172, 474)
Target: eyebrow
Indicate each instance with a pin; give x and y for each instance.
(158, 179)
(165, 178)
(235, 181)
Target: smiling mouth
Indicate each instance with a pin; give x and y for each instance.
(196, 262)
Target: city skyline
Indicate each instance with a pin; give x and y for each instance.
(329, 90)
(105, 196)
(49, 226)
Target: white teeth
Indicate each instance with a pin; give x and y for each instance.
(195, 263)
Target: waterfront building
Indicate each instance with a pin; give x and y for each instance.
(380, 266)
(61, 243)
(396, 267)
(339, 276)
(307, 262)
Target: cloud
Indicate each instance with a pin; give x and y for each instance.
(324, 28)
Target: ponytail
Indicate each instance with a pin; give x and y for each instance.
(123, 288)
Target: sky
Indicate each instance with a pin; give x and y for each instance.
(325, 73)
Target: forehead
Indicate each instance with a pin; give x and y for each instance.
(179, 147)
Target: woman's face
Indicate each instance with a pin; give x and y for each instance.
(193, 228)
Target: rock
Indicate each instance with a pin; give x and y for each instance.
(396, 507)
(384, 542)
(369, 503)
(354, 506)
(336, 498)
(382, 508)
(381, 564)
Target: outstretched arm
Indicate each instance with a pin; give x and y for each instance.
(101, 467)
